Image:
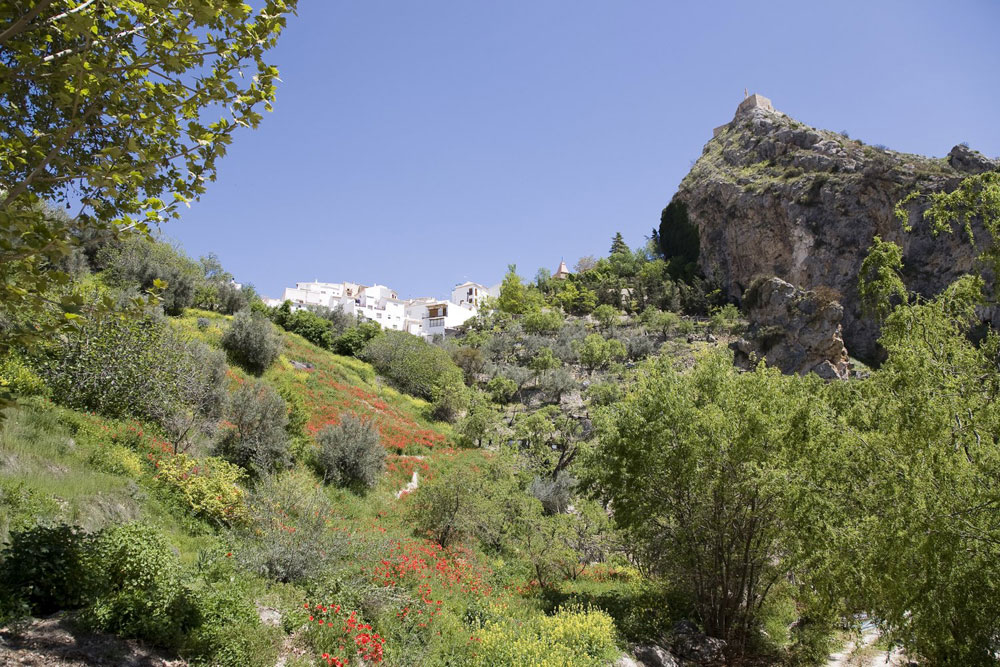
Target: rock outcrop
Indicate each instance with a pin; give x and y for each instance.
(794, 330)
(771, 196)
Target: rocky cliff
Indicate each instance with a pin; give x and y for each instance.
(771, 196)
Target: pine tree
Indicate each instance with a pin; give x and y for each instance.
(618, 244)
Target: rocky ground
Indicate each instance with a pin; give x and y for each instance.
(56, 641)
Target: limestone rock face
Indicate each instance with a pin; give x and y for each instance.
(771, 196)
(794, 330)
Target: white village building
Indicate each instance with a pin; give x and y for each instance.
(424, 316)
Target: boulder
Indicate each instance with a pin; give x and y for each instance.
(794, 330)
(693, 646)
(651, 655)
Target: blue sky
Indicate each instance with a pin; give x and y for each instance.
(421, 144)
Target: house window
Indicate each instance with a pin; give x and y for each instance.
(435, 322)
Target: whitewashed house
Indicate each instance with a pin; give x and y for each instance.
(471, 295)
(377, 303)
(436, 316)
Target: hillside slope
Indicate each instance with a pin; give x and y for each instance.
(772, 196)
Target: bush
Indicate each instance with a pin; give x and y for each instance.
(315, 329)
(139, 261)
(415, 366)
(470, 360)
(639, 347)
(604, 393)
(350, 453)
(288, 537)
(142, 593)
(19, 378)
(117, 459)
(450, 401)
(597, 352)
(607, 316)
(208, 486)
(131, 367)
(251, 341)
(229, 632)
(49, 568)
(256, 439)
(568, 638)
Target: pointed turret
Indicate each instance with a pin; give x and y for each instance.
(562, 273)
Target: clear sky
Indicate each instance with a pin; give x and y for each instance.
(421, 144)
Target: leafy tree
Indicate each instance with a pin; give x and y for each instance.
(352, 342)
(350, 452)
(597, 352)
(121, 366)
(543, 361)
(105, 106)
(251, 341)
(501, 389)
(470, 360)
(542, 322)
(515, 297)
(481, 423)
(879, 281)
(700, 467)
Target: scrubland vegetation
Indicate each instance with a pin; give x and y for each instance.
(579, 473)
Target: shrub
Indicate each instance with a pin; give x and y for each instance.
(315, 329)
(117, 459)
(639, 347)
(607, 316)
(208, 486)
(415, 366)
(251, 341)
(288, 537)
(139, 261)
(229, 632)
(604, 393)
(129, 367)
(256, 439)
(48, 567)
(350, 453)
(542, 322)
(19, 378)
(142, 593)
(568, 638)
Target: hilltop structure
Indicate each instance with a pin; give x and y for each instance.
(562, 273)
(423, 316)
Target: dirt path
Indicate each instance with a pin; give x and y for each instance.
(862, 653)
(54, 641)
